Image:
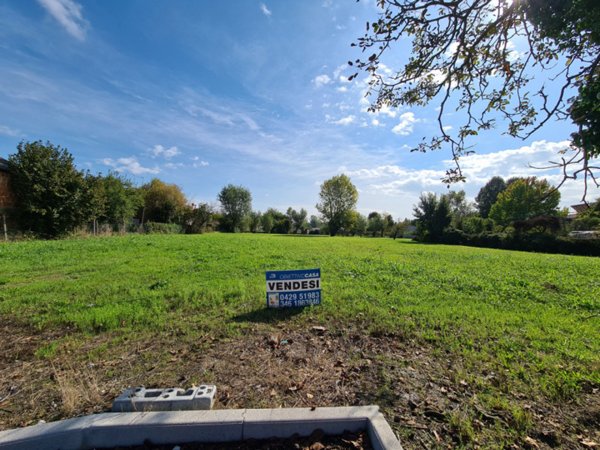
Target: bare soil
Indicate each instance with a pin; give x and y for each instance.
(420, 389)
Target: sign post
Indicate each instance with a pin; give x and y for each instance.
(293, 288)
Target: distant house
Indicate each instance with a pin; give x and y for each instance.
(7, 199)
(579, 209)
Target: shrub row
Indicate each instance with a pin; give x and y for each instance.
(530, 242)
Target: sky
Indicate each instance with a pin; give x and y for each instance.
(203, 94)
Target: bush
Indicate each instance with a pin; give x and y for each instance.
(530, 242)
(161, 228)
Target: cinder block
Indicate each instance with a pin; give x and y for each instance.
(172, 399)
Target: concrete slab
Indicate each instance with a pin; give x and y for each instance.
(179, 427)
(267, 423)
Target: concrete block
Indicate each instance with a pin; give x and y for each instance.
(172, 399)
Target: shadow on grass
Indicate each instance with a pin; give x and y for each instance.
(267, 315)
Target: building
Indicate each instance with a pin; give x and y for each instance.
(7, 199)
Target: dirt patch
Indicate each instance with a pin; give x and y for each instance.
(431, 397)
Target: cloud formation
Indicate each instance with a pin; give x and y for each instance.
(321, 80)
(266, 11)
(406, 125)
(167, 153)
(68, 14)
(130, 165)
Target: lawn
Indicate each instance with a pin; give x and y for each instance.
(459, 346)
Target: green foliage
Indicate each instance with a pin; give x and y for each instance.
(279, 222)
(297, 220)
(476, 225)
(197, 218)
(161, 228)
(122, 200)
(432, 216)
(163, 202)
(488, 194)
(236, 202)
(459, 207)
(375, 223)
(459, 51)
(338, 198)
(524, 199)
(51, 193)
(254, 221)
(357, 224)
(267, 222)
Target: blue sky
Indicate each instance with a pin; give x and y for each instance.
(203, 94)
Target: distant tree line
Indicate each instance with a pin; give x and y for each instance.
(54, 199)
(519, 213)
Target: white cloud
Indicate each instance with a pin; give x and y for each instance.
(167, 153)
(7, 131)
(342, 89)
(447, 128)
(130, 165)
(174, 165)
(198, 162)
(376, 123)
(406, 125)
(68, 14)
(266, 11)
(321, 80)
(345, 120)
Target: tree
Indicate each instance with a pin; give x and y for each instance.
(432, 216)
(50, 191)
(358, 224)
(236, 202)
(375, 223)
(338, 197)
(314, 222)
(297, 219)
(122, 200)
(388, 224)
(460, 208)
(163, 202)
(488, 194)
(524, 199)
(197, 218)
(255, 221)
(462, 56)
(267, 221)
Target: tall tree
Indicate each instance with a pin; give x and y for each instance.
(163, 202)
(462, 56)
(236, 202)
(338, 197)
(432, 216)
(375, 223)
(488, 194)
(122, 200)
(523, 199)
(50, 191)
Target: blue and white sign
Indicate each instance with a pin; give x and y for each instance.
(293, 288)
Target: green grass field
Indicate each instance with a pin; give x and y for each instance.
(520, 330)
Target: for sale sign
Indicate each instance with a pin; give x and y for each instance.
(293, 288)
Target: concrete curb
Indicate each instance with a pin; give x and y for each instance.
(179, 427)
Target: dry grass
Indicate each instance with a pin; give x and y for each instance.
(77, 389)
